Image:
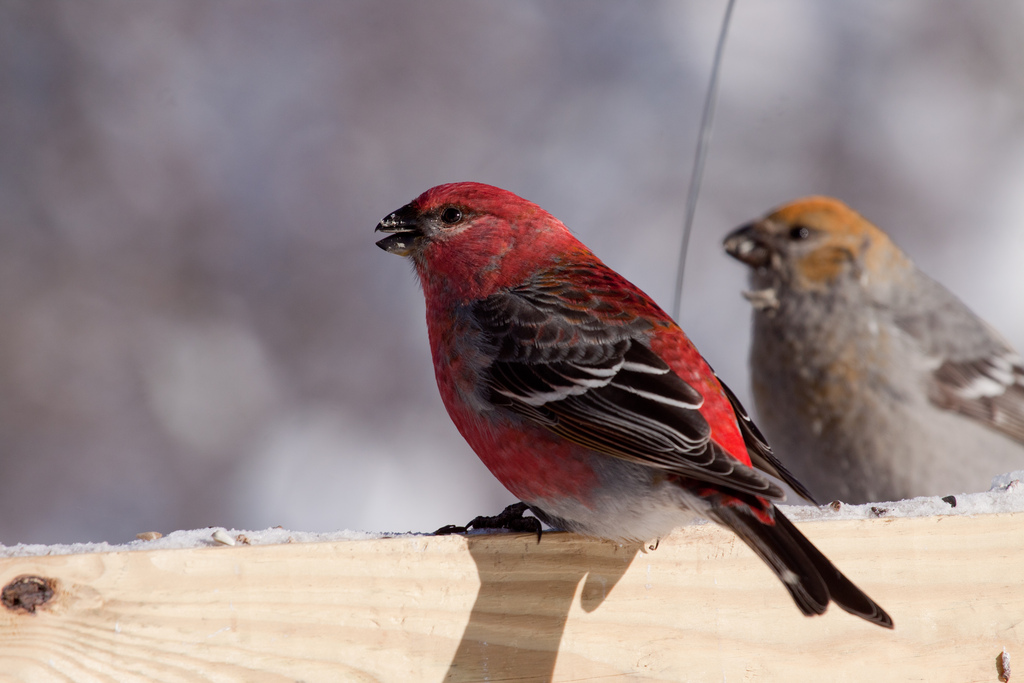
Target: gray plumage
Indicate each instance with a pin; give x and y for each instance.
(871, 380)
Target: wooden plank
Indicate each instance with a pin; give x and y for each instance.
(502, 607)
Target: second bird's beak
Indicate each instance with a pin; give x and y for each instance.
(405, 228)
(746, 245)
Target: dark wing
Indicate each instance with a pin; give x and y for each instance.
(597, 384)
(978, 374)
(760, 452)
(989, 390)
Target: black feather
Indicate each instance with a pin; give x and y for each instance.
(814, 580)
(760, 452)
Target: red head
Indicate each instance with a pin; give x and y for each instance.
(474, 239)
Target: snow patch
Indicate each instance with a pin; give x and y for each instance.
(195, 538)
(1006, 495)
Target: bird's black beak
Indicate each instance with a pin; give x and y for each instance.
(746, 244)
(405, 228)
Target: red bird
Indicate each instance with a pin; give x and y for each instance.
(584, 398)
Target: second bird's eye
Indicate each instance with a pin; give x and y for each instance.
(799, 232)
(451, 216)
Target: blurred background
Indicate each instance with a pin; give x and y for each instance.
(197, 329)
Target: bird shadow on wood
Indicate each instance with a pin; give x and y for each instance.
(526, 593)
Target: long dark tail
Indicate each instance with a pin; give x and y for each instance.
(806, 573)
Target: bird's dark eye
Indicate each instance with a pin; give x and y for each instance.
(799, 232)
(451, 216)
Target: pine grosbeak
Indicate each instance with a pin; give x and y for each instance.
(583, 397)
(874, 380)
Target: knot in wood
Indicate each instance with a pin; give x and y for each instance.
(26, 593)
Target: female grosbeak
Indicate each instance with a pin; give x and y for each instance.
(874, 380)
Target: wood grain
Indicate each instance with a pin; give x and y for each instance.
(504, 608)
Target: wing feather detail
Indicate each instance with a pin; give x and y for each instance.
(989, 390)
(976, 372)
(596, 382)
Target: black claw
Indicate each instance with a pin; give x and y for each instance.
(510, 518)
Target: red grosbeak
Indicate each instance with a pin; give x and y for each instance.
(874, 379)
(583, 397)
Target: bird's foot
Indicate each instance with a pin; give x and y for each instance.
(510, 518)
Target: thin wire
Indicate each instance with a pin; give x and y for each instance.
(698, 163)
